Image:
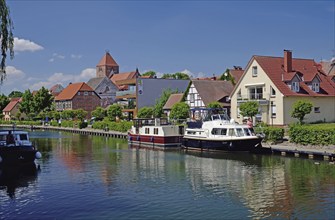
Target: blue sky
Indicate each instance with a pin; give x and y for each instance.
(60, 41)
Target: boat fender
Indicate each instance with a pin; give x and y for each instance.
(130, 138)
(0, 159)
(138, 138)
(152, 139)
(38, 155)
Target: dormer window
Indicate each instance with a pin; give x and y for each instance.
(254, 71)
(316, 87)
(295, 86)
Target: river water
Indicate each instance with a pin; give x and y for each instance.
(93, 177)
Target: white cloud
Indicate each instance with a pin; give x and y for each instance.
(193, 75)
(56, 56)
(13, 75)
(75, 56)
(26, 45)
(85, 75)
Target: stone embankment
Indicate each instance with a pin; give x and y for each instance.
(297, 150)
(85, 131)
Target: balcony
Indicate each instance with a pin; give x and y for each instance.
(260, 98)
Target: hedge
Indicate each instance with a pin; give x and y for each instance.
(320, 134)
(122, 126)
(272, 134)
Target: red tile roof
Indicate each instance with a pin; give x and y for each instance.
(107, 60)
(173, 99)
(12, 104)
(71, 90)
(307, 69)
(123, 76)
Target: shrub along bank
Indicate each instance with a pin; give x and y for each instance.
(313, 134)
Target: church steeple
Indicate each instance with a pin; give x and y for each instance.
(107, 66)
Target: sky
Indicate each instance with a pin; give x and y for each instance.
(62, 41)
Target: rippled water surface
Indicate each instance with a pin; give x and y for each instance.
(90, 177)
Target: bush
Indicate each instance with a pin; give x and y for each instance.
(273, 134)
(322, 134)
(122, 126)
(82, 124)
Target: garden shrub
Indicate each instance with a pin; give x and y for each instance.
(318, 134)
(273, 134)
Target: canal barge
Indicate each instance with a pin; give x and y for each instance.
(16, 148)
(155, 133)
(218, 133)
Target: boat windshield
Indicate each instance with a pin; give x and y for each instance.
(219, 117)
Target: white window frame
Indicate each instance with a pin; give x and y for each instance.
(254, 71)
(192, 98)
(295, 86)
(317, 110)
(316, 87)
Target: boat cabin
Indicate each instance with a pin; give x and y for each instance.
(21, 138)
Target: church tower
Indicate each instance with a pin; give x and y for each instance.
(107, 66)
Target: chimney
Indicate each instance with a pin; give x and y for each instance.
(288, 61)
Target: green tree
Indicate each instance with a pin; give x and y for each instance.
(6, 37)
(249, 109)
(180, 75)
(80, 114)
(26, 106)
(167, 76)
(226, 76)
(68, 114)
(99, 113)
(4, 101)
(15, 94)
(180, 111)
(152, 74)
(42, 100)
(114, 111)
(300, 109)
(214, 105)
(145, 112)
(158, 109)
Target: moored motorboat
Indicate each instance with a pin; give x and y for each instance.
(16, 148)
(218, 133)
(155, 133)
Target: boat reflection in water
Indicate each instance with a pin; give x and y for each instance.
(16, 179)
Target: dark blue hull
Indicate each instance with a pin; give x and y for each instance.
(221, 145)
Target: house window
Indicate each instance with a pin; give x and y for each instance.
(192, 98)
(316, 109)
(273, 92)
(238, 112)
(273, 110)
(85, 93)
(316, 87)
(254, 71)
(295, 86)
(155, 130)
(78, 93)
(256, 93)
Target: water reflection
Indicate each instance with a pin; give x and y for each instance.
(121, 182)
(16, 180)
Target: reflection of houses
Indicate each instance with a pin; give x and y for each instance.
(12, 110)
(173, 99)
(77, 96)
(203, 92)
(105, 88)
(277, 82)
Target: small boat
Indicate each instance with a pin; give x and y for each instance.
(155, 133)
(218, 133)
(16, 148)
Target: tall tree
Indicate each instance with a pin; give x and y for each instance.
(226, 76)
(152, 74)
(4, 100)
(6, 37)
(99, 113)
(15, 94)
(26, 106)
(114, 111)
(180, 75)
(158, 109)
(42, 100)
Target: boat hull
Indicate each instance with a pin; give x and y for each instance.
(164, 142)
(17, 155)
(221, 145)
